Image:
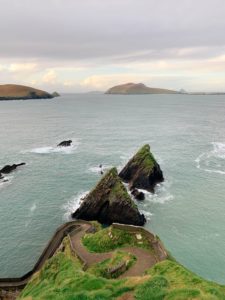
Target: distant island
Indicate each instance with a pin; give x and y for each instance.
(136, 89)
(21, 92)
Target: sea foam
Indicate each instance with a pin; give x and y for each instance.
(50, 149)
(212, 161)
(73, 204)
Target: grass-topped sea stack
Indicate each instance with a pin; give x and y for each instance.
(142, 171)
(109, 202)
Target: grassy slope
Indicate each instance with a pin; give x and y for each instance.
(110, 238)
(63, 278)
(118, 258)
(137, 88)
(19, 91)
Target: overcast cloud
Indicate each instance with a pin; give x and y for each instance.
(73, 45)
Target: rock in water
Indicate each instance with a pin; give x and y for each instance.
(142, 171)
(65, 143)
(138, 195)
(110, 202)
(9, 168)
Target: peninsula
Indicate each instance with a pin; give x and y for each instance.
(21, 92)
(137, 89)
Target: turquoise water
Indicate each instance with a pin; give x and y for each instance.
(186, 134)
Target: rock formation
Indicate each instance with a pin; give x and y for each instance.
(109, 202)
(55, 94)
(9, 168)
(137, 89)
(142, 171)
(138, 195)
(20, 92)
(65, 143)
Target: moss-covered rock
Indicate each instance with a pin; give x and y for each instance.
(109, 202)
(142, 171)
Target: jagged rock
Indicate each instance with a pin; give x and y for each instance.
(65, 143)
(109, 202)
(142, 171)
(9, 168)
(138, 195)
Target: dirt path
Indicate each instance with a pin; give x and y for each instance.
(145, 259)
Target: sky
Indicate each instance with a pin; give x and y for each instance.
(89, 45)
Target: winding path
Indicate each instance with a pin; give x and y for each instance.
(145, 259)
(75, 230)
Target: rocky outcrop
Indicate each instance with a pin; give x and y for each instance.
(55, 94)
(65, 143)
(138, 195)
(142, 171)
(10, 168)
(21, 92)
(137, 89)
(1, 176)
(109, 202)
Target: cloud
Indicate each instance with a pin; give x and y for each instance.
(50, 77)
(22, 67)
(94, 43)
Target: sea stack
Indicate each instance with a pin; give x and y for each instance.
(142, 171)
(109, 202)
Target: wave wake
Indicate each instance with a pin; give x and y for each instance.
(212, 161)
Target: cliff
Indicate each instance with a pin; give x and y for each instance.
(137, 89)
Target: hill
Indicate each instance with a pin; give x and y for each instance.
(137, 89)
(116, 268)
(21, 92)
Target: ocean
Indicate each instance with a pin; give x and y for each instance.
(186, 134)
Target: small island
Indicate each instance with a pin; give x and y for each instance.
(137, 89)
(21, 92)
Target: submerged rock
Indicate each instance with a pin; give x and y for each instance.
(65, 143)
(9, 168)
(110, 202)
(138, 195)
(142, 171)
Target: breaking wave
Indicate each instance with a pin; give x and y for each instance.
(98, 169)
(72, 205)
(6, 181)
(212, 161)
(50, 149)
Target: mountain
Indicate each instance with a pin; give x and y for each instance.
(136, 89)
(20, 92)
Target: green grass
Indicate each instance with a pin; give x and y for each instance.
(118, 258)
(144, 158)
(111, 238)
(171, 281)
(62, 278)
